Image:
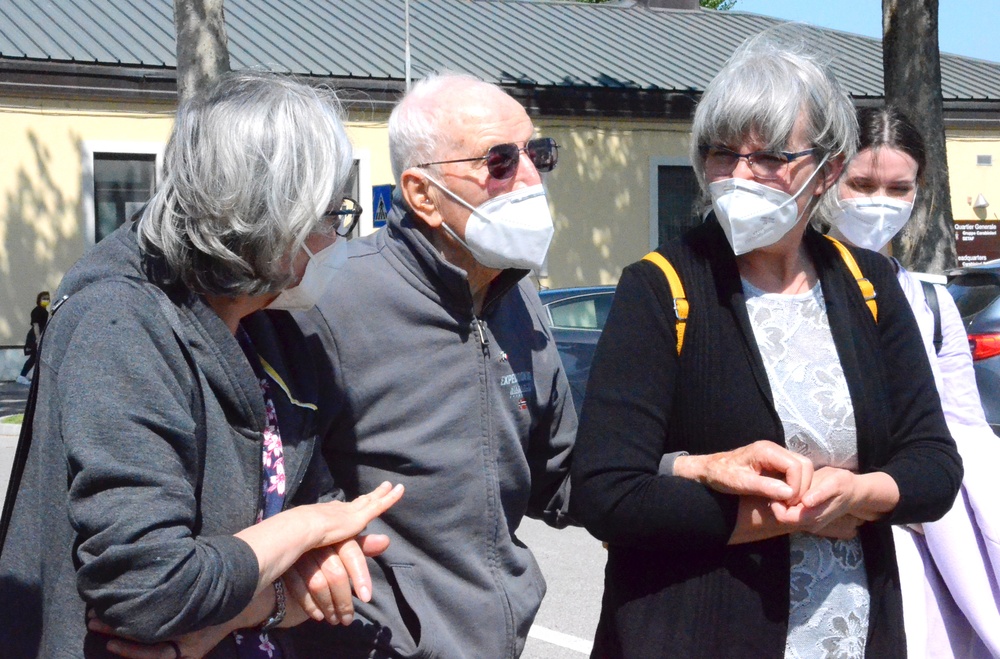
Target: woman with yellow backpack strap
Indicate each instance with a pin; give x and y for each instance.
(948, 569)
(800, 391)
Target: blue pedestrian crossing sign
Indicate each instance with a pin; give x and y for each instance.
(382, 203)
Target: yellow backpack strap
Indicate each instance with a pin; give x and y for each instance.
(284, 387)
(867, 289)
(676, 291)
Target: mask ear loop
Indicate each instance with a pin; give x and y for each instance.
(454, 196)
(815, 198)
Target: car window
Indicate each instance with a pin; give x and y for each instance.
(973, 292)
(584, 312)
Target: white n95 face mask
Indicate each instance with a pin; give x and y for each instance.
(510, 231)
(753, 215)
(871, 222)
(320, 271)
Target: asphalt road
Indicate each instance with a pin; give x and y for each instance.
(573, 564)
(12, 398)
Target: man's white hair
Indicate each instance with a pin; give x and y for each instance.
(420, 125)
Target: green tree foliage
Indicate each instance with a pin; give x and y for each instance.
(721, 5)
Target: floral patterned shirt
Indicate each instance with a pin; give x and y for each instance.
(253, 643)
(829, 599)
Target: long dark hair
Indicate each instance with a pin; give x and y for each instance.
(889, 127)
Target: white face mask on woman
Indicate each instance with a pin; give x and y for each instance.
(510, 231)
(753, 215)
(871, 222)
(320, 270)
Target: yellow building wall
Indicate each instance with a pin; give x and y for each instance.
(370, 138)
(968, 180)
(43, 222)
(599, 193)
(42, 228)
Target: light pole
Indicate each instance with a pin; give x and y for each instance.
(406, 41)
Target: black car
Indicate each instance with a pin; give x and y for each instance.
(976, 290)
(576, 316)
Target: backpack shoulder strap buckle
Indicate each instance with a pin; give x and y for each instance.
(867, 288)
(681, 305)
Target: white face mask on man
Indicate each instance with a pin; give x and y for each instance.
(871, 222)
(320, 270)
(753, 215)
(510, 231)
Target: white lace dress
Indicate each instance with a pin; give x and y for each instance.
(828, 614)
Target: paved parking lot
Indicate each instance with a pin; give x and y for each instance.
(573, 564)
(12, 398)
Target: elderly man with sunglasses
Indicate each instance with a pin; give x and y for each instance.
(444, 377)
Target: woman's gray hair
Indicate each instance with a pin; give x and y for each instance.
(763, 89)
(420, 128)
(252, 163)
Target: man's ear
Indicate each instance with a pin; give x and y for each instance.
(416, 191)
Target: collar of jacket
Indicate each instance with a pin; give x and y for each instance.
(212, 346)
(416, 251)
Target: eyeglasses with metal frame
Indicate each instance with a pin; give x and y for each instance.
(765, 165)
(502, 159)
(346, 217)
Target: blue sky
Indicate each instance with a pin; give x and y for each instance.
(965, 27)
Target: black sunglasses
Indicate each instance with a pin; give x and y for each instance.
(345, 217)
(502, 159)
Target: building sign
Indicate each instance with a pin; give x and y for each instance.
(976, 241)
(382, 203)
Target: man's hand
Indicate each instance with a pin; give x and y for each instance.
(762, 469)
(321, 580)
(197, 644)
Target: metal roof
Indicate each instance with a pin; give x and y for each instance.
(514, 42)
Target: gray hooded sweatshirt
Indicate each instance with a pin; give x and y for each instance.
(146, 458)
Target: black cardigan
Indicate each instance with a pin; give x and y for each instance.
(673, 586)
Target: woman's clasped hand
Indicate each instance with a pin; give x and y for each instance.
(781, 492)
(319, 585)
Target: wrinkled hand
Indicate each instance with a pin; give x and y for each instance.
(762, 469)
(190, 646)
(832, 495)
(337, 521)
(321, 580)
(844, 527)
(840, 499)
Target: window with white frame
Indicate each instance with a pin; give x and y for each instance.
(118, 178)
(673, 192)
(123, 182)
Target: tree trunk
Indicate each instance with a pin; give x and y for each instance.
(202, 48)
(912, 73)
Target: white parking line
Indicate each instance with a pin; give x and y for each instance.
(562, 640)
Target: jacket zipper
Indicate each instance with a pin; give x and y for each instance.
(484, 339)
(484, 342)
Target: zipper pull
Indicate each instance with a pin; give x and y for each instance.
(484, 340)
